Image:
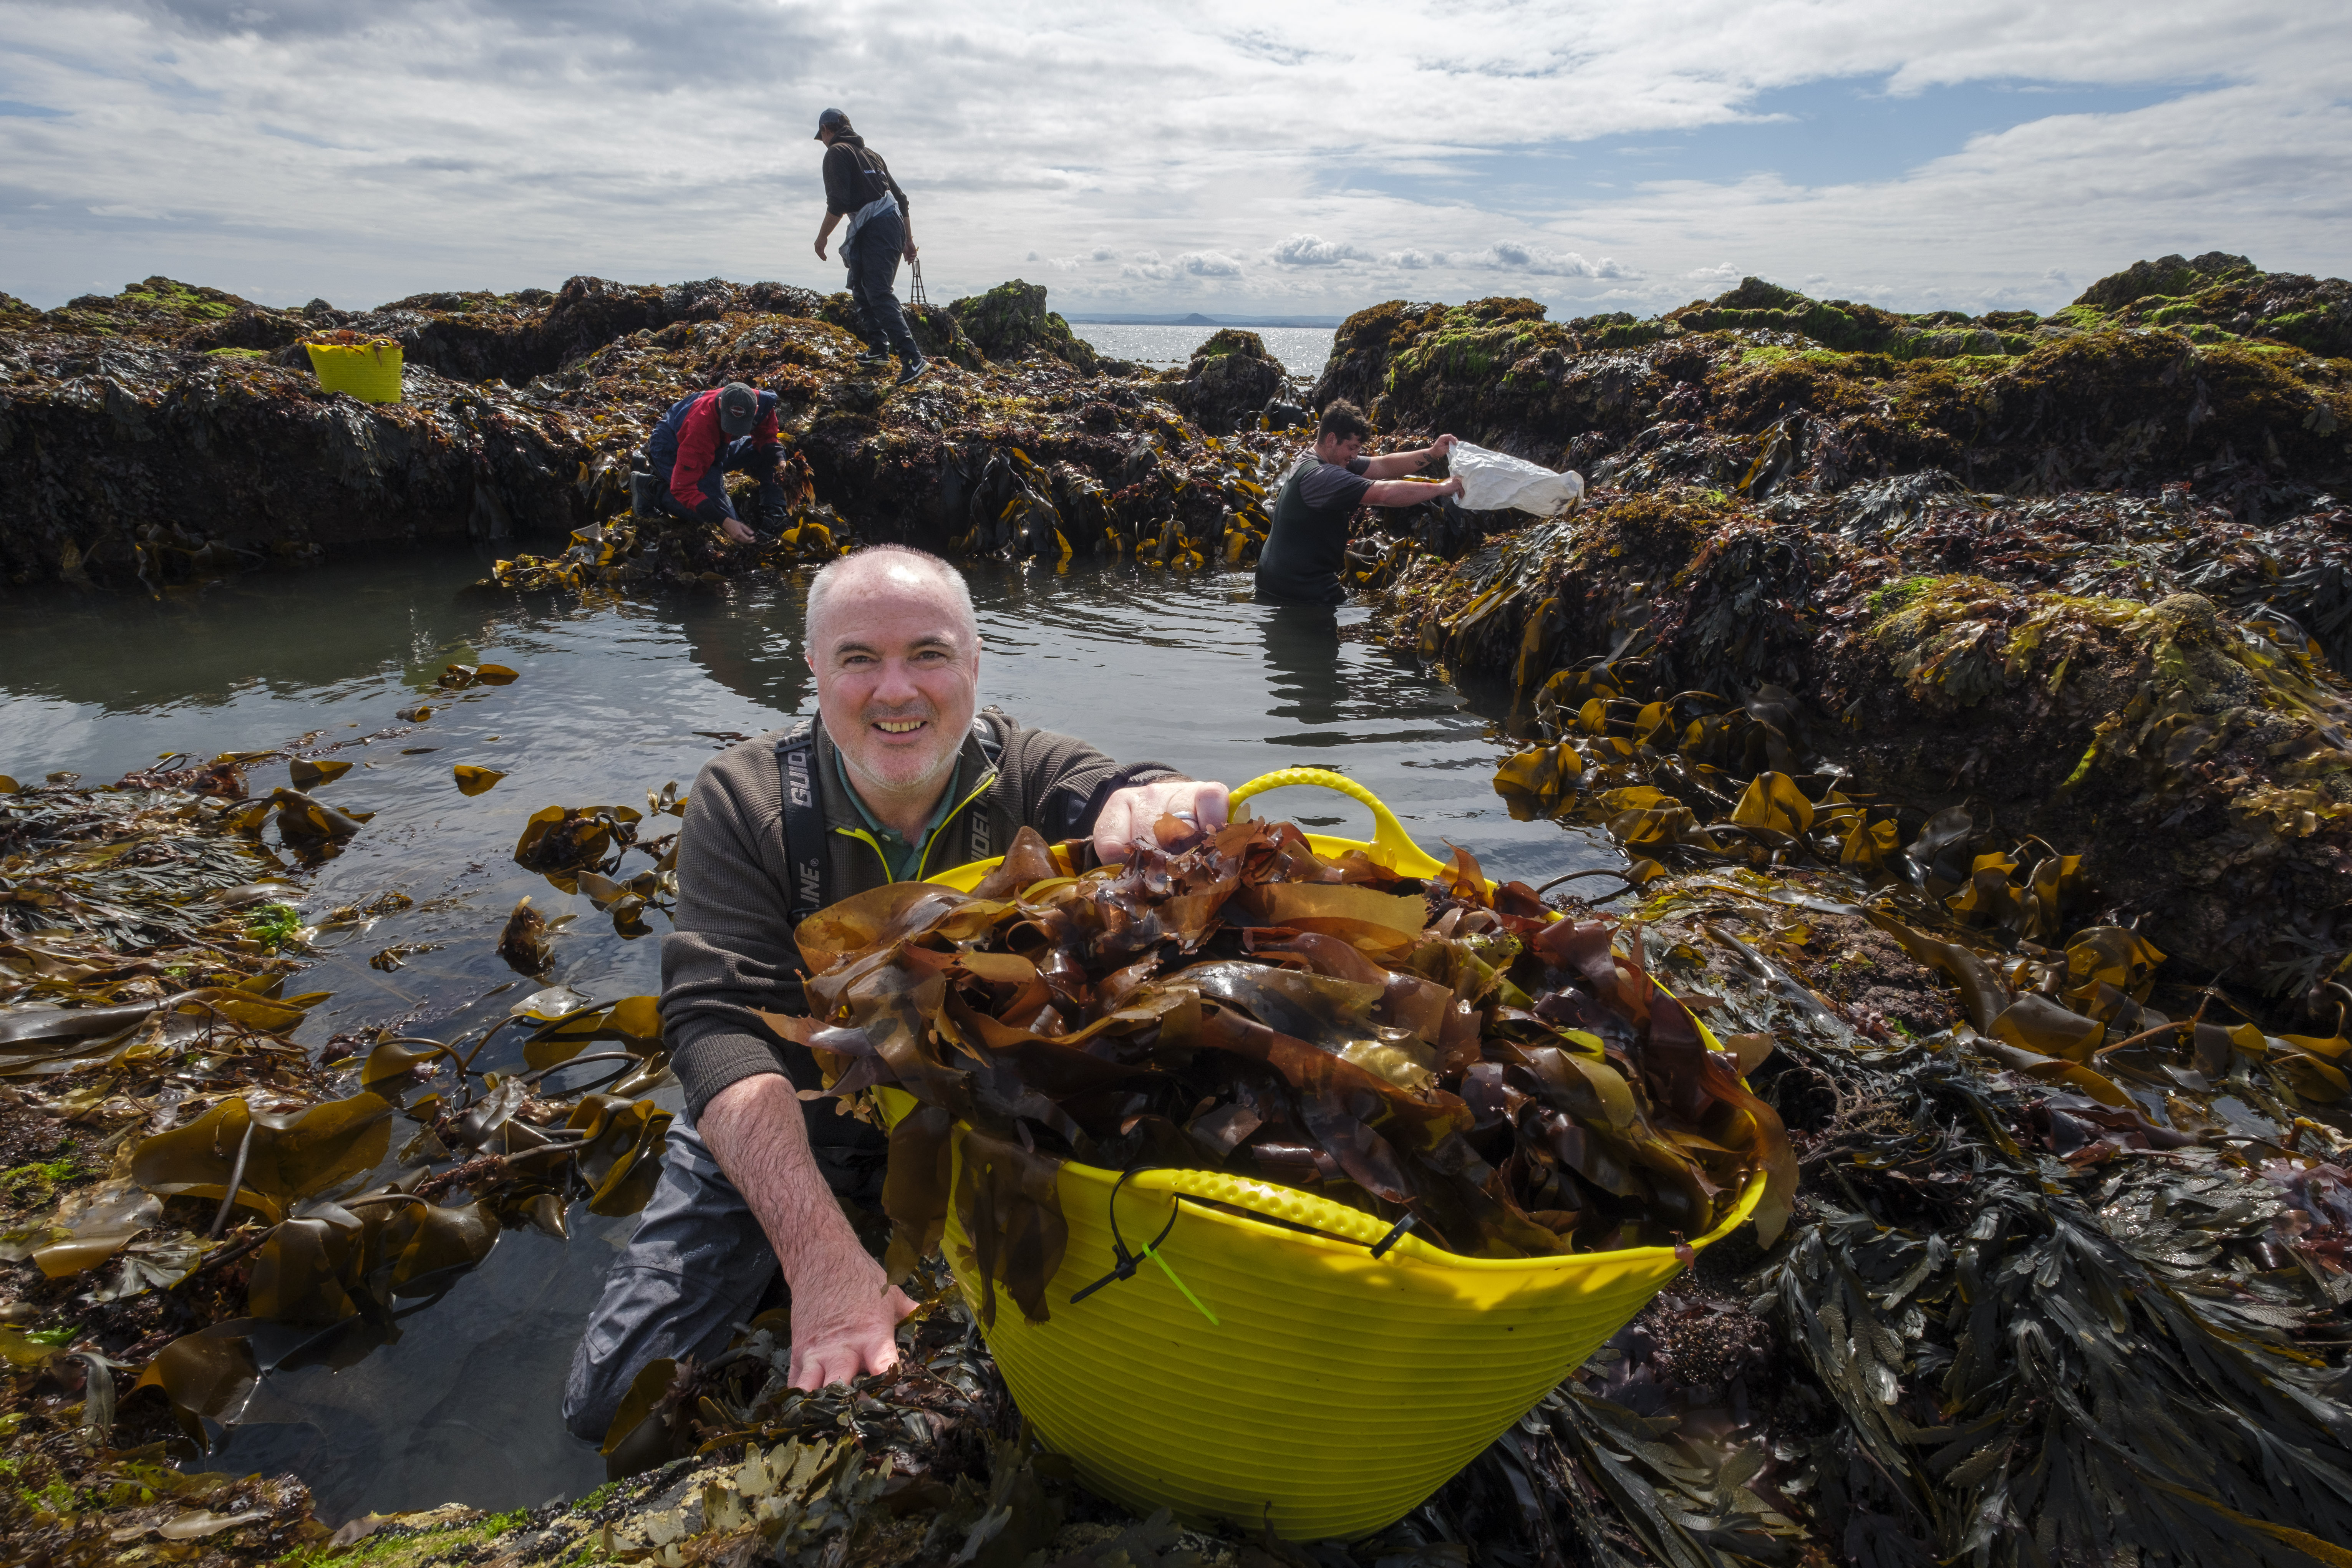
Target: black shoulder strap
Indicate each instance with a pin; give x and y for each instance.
(803, 820)
(980, 826)
(878, 184)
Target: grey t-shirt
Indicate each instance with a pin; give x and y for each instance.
(1307, 548)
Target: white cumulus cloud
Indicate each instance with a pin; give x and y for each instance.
(1210, 264)
(1314, 250)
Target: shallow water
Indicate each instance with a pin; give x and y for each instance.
(1301, 350)
(464, 1406)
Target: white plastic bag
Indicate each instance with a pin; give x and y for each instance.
(1493, 481)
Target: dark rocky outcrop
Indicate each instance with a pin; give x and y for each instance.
(1010, 323)
(1229, 378)
(170, 432)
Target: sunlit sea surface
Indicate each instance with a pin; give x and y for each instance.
(1302, 350)
(464, 1406)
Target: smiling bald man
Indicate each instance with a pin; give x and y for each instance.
(899, 778)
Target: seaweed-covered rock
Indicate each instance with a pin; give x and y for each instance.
(159, 309)
(2170, 275)
(2065, 669)
(2219, 297)
(1229, 378)
(170, 432)
(1764, 390)
(1849, 327)
(1010, 322)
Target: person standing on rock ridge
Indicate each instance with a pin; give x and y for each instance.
(1306, 546)
(858, 186)
(899, 775)
(703, 436)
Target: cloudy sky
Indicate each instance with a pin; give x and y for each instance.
(1248, 158)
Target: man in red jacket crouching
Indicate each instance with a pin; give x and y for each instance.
(701, 439)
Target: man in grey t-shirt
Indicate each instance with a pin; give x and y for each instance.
(1307, 547)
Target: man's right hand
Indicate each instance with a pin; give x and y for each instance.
(845, 1316)
(844, 1311)
(820, 249)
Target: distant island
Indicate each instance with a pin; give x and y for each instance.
(1198, 320)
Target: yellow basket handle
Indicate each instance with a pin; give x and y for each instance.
(1276, 1202)
(1388, 833)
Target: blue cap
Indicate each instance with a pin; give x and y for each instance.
(831, 119)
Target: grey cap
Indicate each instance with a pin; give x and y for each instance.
(738, 407)
(831, 119)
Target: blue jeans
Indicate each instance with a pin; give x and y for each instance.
(873, 261)
(697, 1266)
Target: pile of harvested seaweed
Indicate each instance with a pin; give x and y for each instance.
(1411, 1047)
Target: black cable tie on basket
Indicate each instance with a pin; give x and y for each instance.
(1128, 1262)
(1396, 1234)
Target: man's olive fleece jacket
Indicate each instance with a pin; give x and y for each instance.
(732, 949)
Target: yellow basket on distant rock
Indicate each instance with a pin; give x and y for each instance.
(1336, 1387)
(368, 371)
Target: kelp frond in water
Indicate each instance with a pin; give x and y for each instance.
(491, 1152)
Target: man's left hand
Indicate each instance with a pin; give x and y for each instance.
(1442, 445)
(910, 250)
(820, 249)
(1132, 813)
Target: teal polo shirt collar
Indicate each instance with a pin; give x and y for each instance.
(902, 858)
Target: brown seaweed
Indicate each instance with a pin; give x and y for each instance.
(1450, 1070)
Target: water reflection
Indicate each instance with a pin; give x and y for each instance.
(464, 1405)
(745, 646)
(1302, 655)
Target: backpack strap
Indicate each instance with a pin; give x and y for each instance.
(877, 185)
(803, 820)
(980, 827)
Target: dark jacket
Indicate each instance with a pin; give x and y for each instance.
(732, 949)
(856, 176)
(691, 444)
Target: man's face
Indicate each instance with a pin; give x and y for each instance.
(1339, 448)
(896, 688)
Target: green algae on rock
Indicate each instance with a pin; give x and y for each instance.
(1010, 323)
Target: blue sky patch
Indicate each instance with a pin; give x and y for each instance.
(1835, 131)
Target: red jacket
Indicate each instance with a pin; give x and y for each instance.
(691, 444)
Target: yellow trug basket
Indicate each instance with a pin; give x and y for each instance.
(369, 371)
(1335, 1391)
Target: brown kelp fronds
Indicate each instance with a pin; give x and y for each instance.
(2049, 1290)
(338, 1262)
(1413, 1048)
